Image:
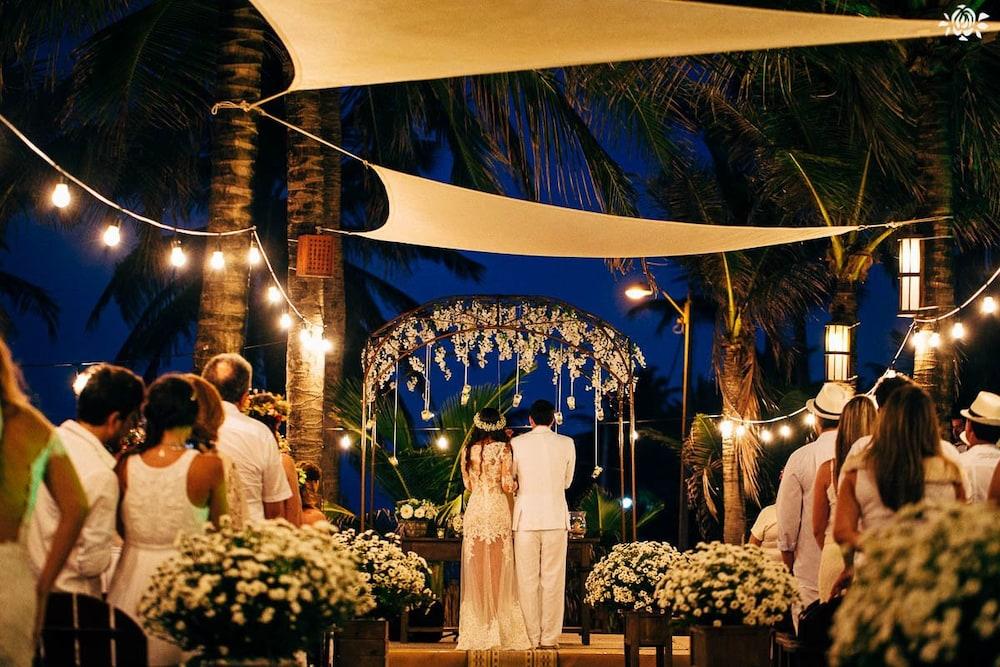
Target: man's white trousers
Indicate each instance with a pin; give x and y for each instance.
(540, 560)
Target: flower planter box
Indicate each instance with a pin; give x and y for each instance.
(410, 528)
(744, 645)
(362, 643)
(642, 629)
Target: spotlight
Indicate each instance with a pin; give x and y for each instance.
(741, 431)
(112, 235)
(920, 339)
(393, 461)
(516, 400)
(934, 340)
(60, 195)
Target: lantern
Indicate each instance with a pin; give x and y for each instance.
(314, 258)
(837, 352)
(910, 272)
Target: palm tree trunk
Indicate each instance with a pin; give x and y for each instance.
(934, 369)
(306, 368)
(223, 310)
(736, 370)
(334, 301)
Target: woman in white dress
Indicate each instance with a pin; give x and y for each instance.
(490, 616)
(30, 454)
(856, 421)
(166, 489)
(903, 465)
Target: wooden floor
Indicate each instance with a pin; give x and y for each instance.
(604, 651)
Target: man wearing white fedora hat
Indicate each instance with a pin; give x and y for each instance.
(795, 533)
(982, 431)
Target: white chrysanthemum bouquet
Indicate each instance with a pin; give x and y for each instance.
(263, 591)
(626, 578)
(398, 579)
(415, 508)
(927, 591)
(726, 584)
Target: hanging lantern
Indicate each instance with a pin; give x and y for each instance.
(910, 273)
(837, 352)
(314, 258)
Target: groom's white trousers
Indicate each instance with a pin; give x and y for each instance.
(540, 561)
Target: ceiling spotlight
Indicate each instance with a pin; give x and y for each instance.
(112, 235)
(60, 195)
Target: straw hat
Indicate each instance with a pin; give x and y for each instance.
(830, 401)
(985, 409)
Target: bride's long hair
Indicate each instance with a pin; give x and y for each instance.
(481, 436)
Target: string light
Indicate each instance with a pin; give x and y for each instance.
(112, 235)
(920, 339)
(253, 255)
(627, 503)
(766, 436)
(726, 429)
(989, 305)
(80, 381)
(273, 294)
(442, 442)
(345, 442)
(810, 419)
(785, 431)
(958, 331)
(934, 340)
(60, 195)
(218, 261)
(393, 461)
(741, 431)
(178, 258)
(285, 321)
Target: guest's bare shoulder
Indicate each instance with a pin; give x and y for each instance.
(30, 427)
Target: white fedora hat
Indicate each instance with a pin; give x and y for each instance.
(985, 409)
(830, 401)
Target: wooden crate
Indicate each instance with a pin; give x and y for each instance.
(744, 645)
(362, 644)
(643, 629)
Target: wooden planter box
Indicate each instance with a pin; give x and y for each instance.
(643, 629)
(362, 643)
(744, 645)
(410, 528)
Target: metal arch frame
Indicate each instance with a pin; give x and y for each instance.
(624, 347)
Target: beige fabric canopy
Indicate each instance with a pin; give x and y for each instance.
(354, 42)
(428, 213)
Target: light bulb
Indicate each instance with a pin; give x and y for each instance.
(989, 305)
(218, 261)
(393, 461)
(934, 340)
(60, 195)
(638, 291)
(626, 503)
(920, 339)
(635, 436)
(766, 436)
(785, 431)
(273, 294)
(253, 256)
(285, 321)
(726, 429)
(516, 400)
(559, 418)
(325, 345)
(80, 381)
(305, 337)
(178, 257)
(741, 431)
(810, 419)
(426, 415)
(112, 235)
(345, 441)
(442, 442)
(958, 331)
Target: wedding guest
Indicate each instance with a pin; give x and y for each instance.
(856, 421)
(106, 409)
(958, 437)
(794, 504)
(271, 411)
(248, 442)
(167, 489)
(982, 431)
(903, 464)
(205, 435)
(310, 479)
(764, 533)
(30, 454)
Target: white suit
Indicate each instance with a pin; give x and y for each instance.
(543, 465)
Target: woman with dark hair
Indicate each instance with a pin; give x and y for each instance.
(272, 411)
(167, 489)
(310, 478)
(490, 615)
(30, 454)
(903, 465)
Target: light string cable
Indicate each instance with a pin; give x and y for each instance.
(965, 304)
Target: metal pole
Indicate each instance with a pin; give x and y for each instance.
(621, 459)
(633, 432)
(364, 444)
(682, 504)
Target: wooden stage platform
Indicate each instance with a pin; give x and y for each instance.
(604, 651)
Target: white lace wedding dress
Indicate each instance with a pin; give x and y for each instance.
(489, 616)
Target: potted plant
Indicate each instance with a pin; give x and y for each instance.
(927, 591)
(414, 516)
(624, 582)
(730, 596)
(254, 595)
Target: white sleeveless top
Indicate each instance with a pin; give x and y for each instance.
(156, 508)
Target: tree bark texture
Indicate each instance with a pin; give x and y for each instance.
(223, 309)
(736, 371)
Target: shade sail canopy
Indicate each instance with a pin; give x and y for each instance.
(428, 213)
(356, 42)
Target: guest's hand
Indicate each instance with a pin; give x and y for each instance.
(842, 583)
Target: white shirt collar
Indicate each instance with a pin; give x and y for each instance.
(79, 431)
(541, 428)
(230, 408)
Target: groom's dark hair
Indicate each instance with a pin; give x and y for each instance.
(543, 413)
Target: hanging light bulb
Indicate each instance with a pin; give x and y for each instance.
(559, 418)
(345, 441)
(273, 294)
(285, 321)
(740, 431)
(635, 436)
(60, 195)
(426, 415)
(80, 381)
(957, 331)
(178, 258)
(989, 305)
(920, 339)
(393, 461)
(726, 429)
(810, 419)
(442, 442)
(218, 261)
(112, 234)
(766, 436)
(325, 345)
(785, 431)
(571, 402)
(626, 503)
(253, 255)
(516, 400)
(934, 340)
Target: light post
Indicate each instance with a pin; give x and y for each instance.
(638, 292)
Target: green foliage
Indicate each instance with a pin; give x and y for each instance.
(604, 514)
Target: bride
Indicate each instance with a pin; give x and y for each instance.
(490, 616)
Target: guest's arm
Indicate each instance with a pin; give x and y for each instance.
(293, 504)
(820, 503)
(275, 489)
(845, 521)
(789, 509)
(570, 463)
(218, 504)
(993, 495)
(93, 555)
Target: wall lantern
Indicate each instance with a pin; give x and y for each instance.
(910, 274)
(837, 352)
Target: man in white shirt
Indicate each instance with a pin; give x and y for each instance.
(543, 465)
(107, 407)
(982, 431)
(249, 443)
(794, 504)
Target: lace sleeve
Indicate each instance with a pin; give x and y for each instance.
(507, 471)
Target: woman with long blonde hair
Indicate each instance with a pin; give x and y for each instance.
(30, 454)
(856, 421)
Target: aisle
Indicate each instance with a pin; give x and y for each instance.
(604, 651)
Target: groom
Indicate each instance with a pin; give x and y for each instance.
(543, 465)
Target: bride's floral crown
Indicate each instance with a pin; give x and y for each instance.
(498, 425)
